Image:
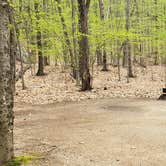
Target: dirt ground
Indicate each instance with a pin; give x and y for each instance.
(107, 132)
(58, 86)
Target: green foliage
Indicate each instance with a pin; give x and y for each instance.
(18, 161)
(147, 25)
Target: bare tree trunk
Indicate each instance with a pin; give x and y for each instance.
(101, 6)
(46, 61)
(20, 53)
(68, 42)
(105, 61)
(118, 60)
(102, 16)
(156, 58)
(83, 44)
(7, 81)
(109, 12)
(19, 46)
(98, 49)
(128, 53)
(127, 43)
(73, 2)
(99, 56)
(40, 71)
(28, 30)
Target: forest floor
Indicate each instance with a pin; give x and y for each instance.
(59, 86)
(104, 132)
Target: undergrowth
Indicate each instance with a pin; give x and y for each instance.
(20, 160)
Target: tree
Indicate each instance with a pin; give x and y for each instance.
(74, 26)
(83, 7)
(46, 61)
(68, 42)
(102, 16)
(40, 71)
(127, 50)
(129, 27)
(7, 70)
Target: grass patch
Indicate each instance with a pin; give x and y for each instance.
(20, 160)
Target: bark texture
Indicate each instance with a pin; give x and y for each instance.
(40, 71)
(45, 33)
(102, 16)
(127, 52)
(74, 28)
(66, 35)
(7, 70)
(83, 44)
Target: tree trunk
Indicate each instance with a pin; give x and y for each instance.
(40, 71)
(128, 54)
(68, 42)
(45, 4)
(83, 45)
(40, 56)
(104, 61)
(102, 16)
(20, 53)
(101, 6)
(99, 56)
(7, 70)
(156, 58)
(19, 45)
(109, 12)
(127, 43)
(73, 2)
(98, 49)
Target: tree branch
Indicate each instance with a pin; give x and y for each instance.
(87, 4)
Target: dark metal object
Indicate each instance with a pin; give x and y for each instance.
(163, 96)
(164, 90)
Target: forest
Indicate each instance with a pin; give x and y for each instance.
(82, 82)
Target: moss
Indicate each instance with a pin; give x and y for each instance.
(18, 161)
